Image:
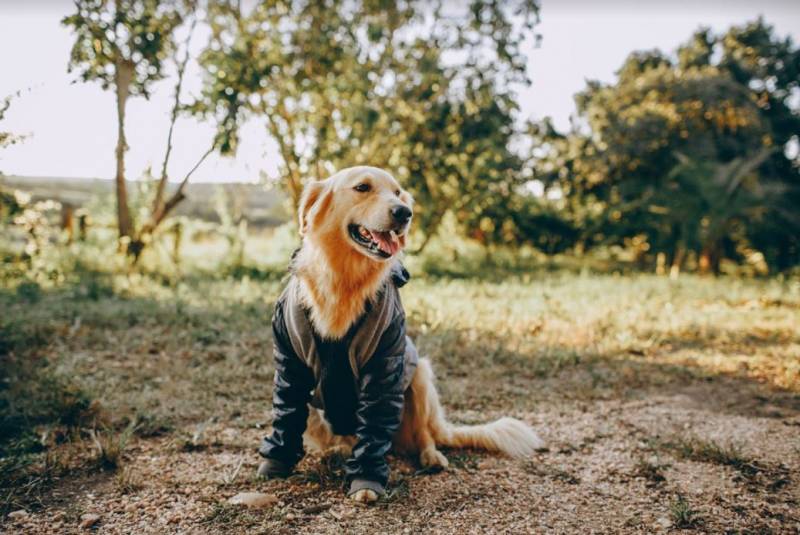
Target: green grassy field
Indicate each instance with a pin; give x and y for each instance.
(665, 404)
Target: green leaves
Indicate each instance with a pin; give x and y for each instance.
(113, 35)
(424, 93)
(8, 138)
(686, 151)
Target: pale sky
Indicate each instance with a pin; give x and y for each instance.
(71, 128)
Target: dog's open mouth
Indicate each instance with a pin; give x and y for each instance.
(380, 243)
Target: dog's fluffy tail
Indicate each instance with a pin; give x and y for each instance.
(506, 435)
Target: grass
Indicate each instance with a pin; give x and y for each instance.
(758, 474)
(110, 446)
(709, 451)
(226, 515)
(173, 359)
(553, 472)
(682, 514)
(651, 471)
(397, 490)
(463, 459)
(127, 481)
(327, 473)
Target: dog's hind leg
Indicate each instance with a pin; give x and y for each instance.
(420, 413)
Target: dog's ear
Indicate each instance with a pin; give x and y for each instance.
(311, 194)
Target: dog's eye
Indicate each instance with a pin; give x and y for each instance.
(362, 188)
(397, 192)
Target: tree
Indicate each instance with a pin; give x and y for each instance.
(161, 204)
(689, 154)
(10, 205)
(426, 91)
(128, 45)
(122, 44)
(8, 138)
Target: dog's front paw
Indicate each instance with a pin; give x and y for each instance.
(365, 491)
(365, 496)
(272, 469)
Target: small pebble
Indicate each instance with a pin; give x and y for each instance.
(16, 515)
(88, 520)
(253, 499)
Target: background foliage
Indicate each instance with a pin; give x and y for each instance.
(687, 160)
(693, 153)
(134, 353)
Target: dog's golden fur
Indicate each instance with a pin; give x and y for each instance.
(336, 280)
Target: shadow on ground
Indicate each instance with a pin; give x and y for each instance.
(146, 407)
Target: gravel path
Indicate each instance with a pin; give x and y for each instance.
(612, 466)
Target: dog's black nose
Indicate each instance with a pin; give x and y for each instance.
(401, 213)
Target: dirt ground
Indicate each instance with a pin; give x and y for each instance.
(666, 408)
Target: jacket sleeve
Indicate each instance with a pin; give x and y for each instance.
(293, 384)
(380, 405)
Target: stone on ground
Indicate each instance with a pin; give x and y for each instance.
(253, 499)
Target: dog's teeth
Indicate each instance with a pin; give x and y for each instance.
(393, 234)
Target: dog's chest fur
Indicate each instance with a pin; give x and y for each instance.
(336, 288)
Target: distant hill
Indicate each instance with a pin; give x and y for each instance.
(261, 207)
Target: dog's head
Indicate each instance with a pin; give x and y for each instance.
(362, 207)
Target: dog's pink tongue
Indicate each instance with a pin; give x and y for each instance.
(386, 243)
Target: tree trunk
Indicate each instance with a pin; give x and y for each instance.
(709, 260)
(425, 240)
(430, 232)
(661, 263)
(123, 75)
(83, 226)
(294, 183)
(177, 234)
(68, 220)
(677, 261)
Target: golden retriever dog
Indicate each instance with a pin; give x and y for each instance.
(354, 225)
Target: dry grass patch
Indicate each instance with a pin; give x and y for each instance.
(651, 471)
(756, 474)
(682, 514)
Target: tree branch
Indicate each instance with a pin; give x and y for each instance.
(290, 159)
(162, 183)
(178, 196)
